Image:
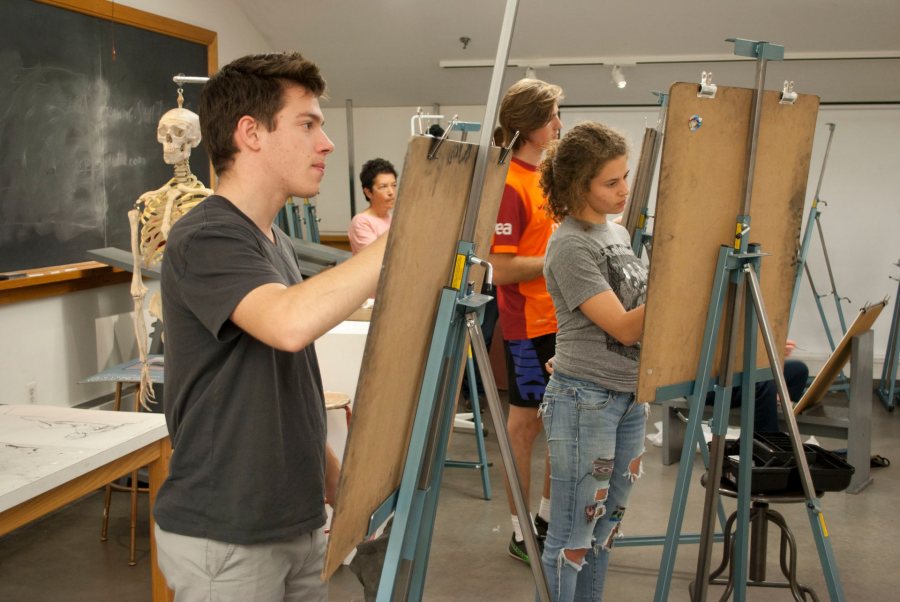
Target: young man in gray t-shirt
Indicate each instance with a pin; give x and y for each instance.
(240, 516)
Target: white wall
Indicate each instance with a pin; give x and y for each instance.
(860, 222)
(377, 132)
(236, 36)
(56, 342)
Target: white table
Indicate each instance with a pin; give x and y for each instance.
(340, 353)
(51, 456)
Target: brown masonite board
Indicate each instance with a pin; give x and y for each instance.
(420, 251)
(702, 174)
(837, 360)
(643, 180)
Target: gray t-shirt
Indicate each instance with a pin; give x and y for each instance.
(247, 421)
(584, 260)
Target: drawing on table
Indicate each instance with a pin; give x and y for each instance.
(79, 430)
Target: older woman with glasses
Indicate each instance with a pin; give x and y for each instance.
(379, 183)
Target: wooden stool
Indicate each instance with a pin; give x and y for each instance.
(127, 372)
(132, 488)
(335, 400)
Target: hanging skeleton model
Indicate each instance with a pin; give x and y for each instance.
(154, 214)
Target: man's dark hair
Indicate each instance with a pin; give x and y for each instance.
(252, 85)
(372, 168)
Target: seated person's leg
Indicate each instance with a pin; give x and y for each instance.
(796, 373)
(766, 408)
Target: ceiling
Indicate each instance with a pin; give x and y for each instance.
(388, 52)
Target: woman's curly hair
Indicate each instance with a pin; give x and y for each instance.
(571, 163)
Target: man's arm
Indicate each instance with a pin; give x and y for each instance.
(510, 268)
(291, 318)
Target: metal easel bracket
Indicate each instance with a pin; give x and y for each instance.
(757, 50)
(465, 127)
(416, 125)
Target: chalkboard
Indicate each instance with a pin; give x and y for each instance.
(80, 98)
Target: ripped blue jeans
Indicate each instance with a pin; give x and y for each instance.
(596, 440)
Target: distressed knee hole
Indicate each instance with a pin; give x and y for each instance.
(574, 558)
(598, 508)
(635, 469)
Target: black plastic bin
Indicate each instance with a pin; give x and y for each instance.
(776, 448)
(775, 470)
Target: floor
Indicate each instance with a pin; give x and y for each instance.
(61, 557)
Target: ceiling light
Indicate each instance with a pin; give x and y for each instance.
(618, 77)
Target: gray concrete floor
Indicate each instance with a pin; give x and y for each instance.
(61, 557)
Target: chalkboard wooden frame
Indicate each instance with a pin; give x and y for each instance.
(79, 276)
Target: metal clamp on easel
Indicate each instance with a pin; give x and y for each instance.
(788, 96)
(707, 88)
(471, 421)
(504, 154)
(436, 144)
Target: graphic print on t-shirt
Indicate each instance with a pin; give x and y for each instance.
(627, 277)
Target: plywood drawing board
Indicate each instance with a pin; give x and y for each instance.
(838, 359)
(702, 174)
(420, 251)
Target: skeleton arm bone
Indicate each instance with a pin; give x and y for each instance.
(138, 292)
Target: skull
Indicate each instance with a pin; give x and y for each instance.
(178, 132)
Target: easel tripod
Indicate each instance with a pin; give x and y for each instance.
(738, 266)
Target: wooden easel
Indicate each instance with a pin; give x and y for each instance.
(446, 210)
(707, 179)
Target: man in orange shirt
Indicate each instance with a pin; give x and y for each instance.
(527, 317)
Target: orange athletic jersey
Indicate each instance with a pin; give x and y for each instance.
(523, 228)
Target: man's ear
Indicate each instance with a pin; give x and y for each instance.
(247, 133)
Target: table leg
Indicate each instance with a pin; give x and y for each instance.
(158, 470)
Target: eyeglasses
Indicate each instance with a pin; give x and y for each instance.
(385, 187)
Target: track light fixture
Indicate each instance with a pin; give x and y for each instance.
(618, 77)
